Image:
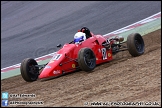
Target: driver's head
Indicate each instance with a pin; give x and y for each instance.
(79, 37)
(86, 31)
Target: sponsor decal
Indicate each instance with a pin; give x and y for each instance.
(47, 66)
(109, 54)
(56, 71)
(73, 65)
(56, 56)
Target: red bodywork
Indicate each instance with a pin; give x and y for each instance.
(64, 60)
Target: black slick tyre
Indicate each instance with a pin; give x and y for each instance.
(28, 70)
(86, 59)
(135, 44)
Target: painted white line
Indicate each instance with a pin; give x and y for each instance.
(146, 20)
(16, 65)
(11, 66)
(45, 55)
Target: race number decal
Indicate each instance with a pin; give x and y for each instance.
(104, 54)
(56, 56)
(107, 41)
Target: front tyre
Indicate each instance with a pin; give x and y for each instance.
(86, 59)
(135, 44)
(29, 71)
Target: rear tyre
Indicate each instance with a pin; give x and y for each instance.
(86, 59)
(135, 44)
(29, 71)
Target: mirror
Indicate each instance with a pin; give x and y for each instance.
(59, 45)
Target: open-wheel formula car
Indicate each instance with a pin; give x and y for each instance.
(85, 55)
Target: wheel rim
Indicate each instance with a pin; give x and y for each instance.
(33, 72)
(139, 44)
(89, 59)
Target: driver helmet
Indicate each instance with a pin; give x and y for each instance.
(86, 31)
(79, 37)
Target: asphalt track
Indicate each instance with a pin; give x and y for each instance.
(34, 28)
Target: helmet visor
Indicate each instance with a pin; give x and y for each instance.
(78, 39)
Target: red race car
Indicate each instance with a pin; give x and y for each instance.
(83, 53)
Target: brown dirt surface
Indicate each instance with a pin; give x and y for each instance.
(125, 80)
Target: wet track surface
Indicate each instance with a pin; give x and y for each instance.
(33, 29)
